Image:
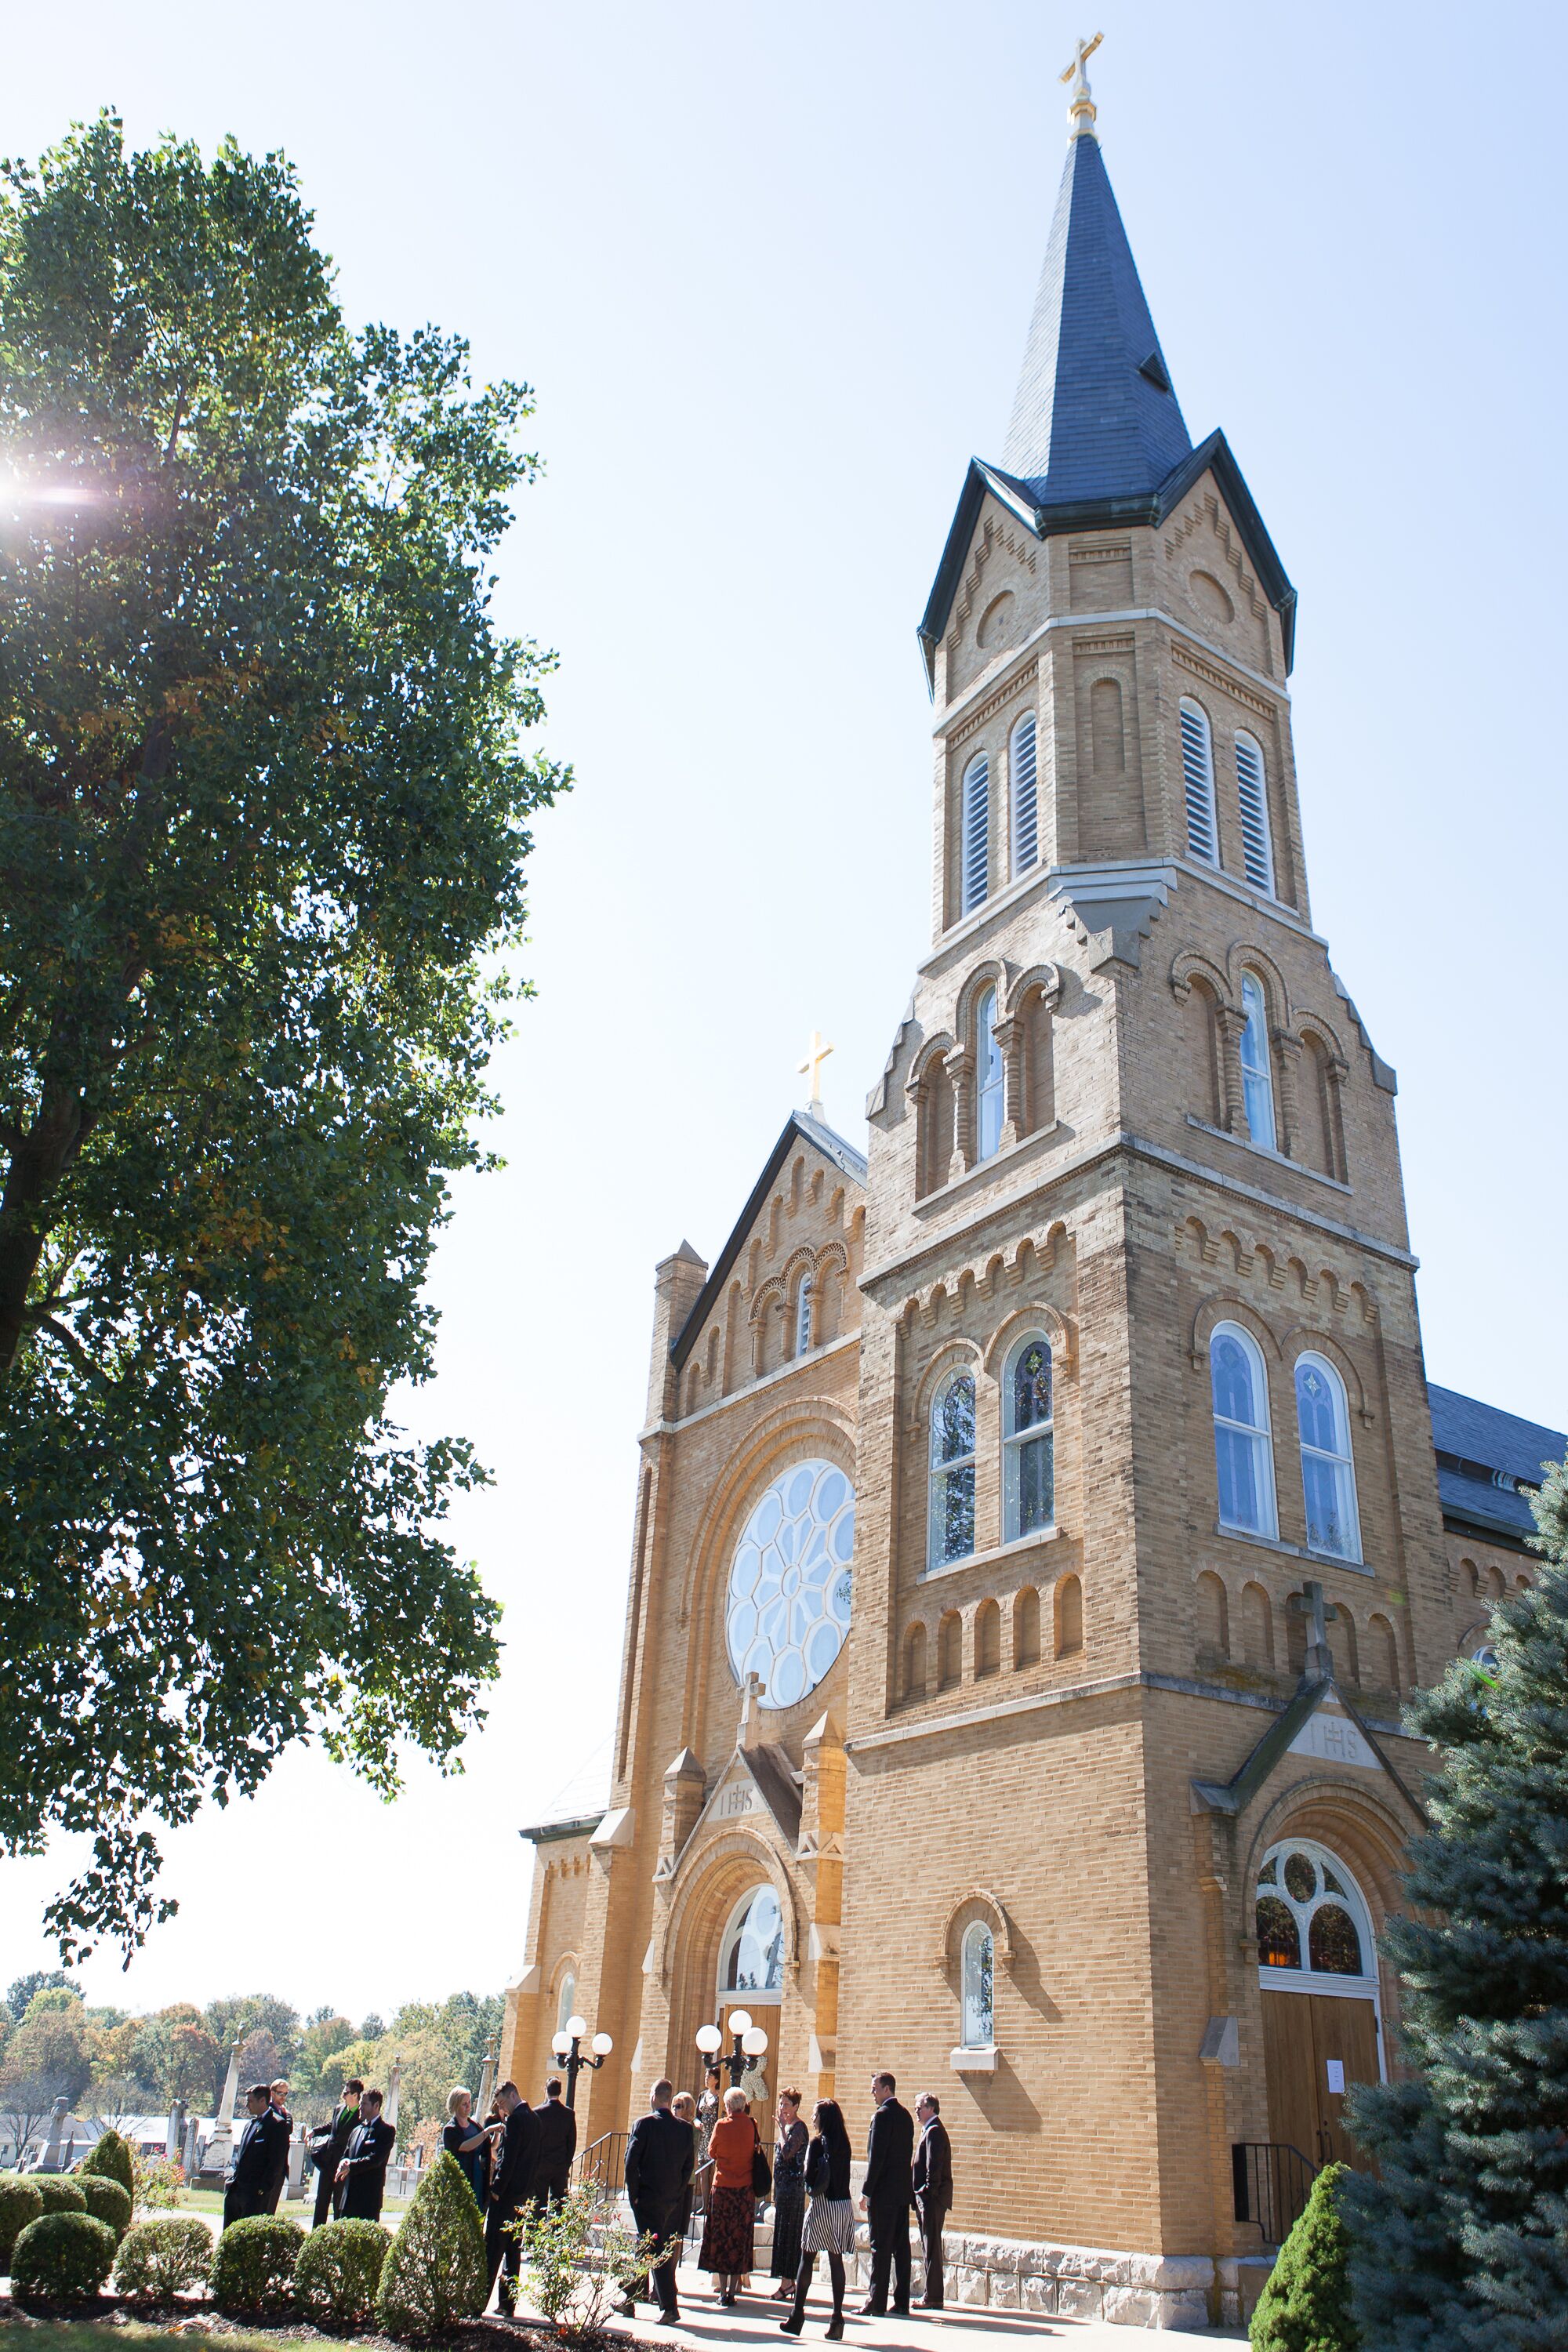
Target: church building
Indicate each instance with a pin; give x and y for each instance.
(1043, 1514)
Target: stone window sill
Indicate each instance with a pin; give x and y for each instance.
(1259, 1152)
(1015, 1550)
(1294, 1551)
(974, 2061)
(945, 1194)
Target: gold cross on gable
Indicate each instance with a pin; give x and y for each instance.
(816, 1053)
(1082, 52)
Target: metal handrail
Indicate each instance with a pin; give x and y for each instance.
(602, 2165)
(1271, 2182)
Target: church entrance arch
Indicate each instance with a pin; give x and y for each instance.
(1322, 2023)
(732, 1949)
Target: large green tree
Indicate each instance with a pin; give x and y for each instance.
(264, 808)
(1459, 2243)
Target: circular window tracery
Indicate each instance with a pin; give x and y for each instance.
(1310, 1918)
(790, 1582)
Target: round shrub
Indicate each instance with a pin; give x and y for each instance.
(20, 2204)
(253, 2267)
(102, 2195)
(61, 2258)
(159, 2260)
(1306, 2299)
(59, 2195)
(111, 2156)
(339, 2270)
(435, 2273)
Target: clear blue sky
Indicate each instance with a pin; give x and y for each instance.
(770, 271)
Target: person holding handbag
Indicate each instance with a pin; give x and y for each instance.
(829, 2218)
(736, 2150)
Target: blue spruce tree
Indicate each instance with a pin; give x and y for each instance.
(1460, 2242)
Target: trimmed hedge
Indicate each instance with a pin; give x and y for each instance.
(105, 2199)
(159, 2260)
(435, 2273)
(111, 2156)
(1305, 2305)
(253, 2267)
(20, 2204)
(61, 2259)
(60, 2195)
(339, 2270)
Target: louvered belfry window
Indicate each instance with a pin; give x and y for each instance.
(1025, 815)
(1252, 786)
(976, 832)
(1197, 773)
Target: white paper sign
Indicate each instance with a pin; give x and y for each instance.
(1336, 2067)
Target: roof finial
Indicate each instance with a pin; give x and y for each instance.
(1081, 107)
(816, 1053)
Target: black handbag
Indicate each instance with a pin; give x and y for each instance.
(762, 2170)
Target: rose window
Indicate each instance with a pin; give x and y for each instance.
(788, 1605)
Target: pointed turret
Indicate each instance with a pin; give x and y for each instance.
(1095, 415)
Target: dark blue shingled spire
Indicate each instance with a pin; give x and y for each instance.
(1095, 416)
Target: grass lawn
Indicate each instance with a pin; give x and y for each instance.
(86, 2335)
(210, 2201)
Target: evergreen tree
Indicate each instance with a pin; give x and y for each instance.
(1461, 2243)
(1306, 2305)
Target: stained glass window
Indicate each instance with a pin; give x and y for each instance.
(1309, 1913)
(1028, 1439)
(790, 1582)
(953, 1471)
(979, 1987)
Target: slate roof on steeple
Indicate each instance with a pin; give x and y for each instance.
(1098, 440)
(1095, 414)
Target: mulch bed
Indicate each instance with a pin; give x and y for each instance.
(198, 2319)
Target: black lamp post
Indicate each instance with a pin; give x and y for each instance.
(567, 2046)
(750, 2043)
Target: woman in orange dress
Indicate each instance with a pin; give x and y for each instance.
(727, 2247)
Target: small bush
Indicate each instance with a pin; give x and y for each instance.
(157, 2183)
(159, 2260)
(435, 2273)
(581, 2258)
(111, 2156)
(339, 2270)
(20, 2204)
(59, 2195)
(1305, 2305)
(59, 2259)
(253, 2267)
(103, 2196)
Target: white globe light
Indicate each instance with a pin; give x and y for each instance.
(709, 2039)
(740, 2021)
(602, 2046)
(754, 2043)
(561, 2044)
(577, 2027)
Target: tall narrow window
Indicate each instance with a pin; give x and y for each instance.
(1252, 786)
(1257, 1078)
(803, 1314)
(989, 1093)
(1328, 1473)
(976, 832)
(953, 1471)
(979, 1987)
(1244, 1457)
(1025, 812)
(1029, 1484)
(1197, 775)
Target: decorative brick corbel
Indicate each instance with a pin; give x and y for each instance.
(961, 1070)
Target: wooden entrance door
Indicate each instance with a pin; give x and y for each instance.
(1315, 2046)
(761, 2073)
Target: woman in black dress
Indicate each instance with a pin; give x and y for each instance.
(829, 2218)
(789, 2191)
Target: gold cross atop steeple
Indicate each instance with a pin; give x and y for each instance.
(1081, 107)
(816, 1053)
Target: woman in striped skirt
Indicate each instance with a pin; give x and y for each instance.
(829, 2216)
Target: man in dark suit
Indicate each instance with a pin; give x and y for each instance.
(511, 2179)
(361, 2174)
(278, 2109)
(933, 2191)
(555, 2146)
(250, 2166)
(331, 2144)
(889, 2190)
(661, 2157)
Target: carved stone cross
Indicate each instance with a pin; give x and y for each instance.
(1319, 1614)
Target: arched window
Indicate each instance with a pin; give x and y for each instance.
(1244, 1452)
(1252, 789)
(751, 1957)
(803, 1333)
(1328, 1473)
(976, 846)
(988, 1065)
(988, 1639)
(1257, 1077)
(1028, 1442)
(1197, 776)
(1026, 810)
(979, 1987)
(1310, 1918)
(953, 1471)
(567, 2001)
